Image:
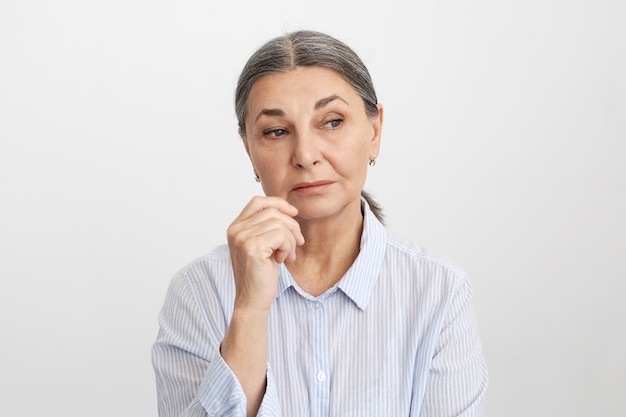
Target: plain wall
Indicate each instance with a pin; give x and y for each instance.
(503, 150)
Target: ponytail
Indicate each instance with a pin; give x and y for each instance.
(374, 206)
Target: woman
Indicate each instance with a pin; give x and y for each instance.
(312, 308)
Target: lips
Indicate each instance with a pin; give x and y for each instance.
(311, 186)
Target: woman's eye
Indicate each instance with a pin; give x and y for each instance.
(275, 133)
(333, 124)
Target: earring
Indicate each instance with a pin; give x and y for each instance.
(372, 162)
(256, 177)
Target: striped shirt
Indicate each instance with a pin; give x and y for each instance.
(396, 336)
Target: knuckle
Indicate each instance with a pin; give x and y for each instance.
(232, 233)
(257, 200)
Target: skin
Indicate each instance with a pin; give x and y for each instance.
(311, 149)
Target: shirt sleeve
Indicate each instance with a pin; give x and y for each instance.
(192, 379)
(458, 376)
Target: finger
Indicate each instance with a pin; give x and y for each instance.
(287, 252)
(291, 224)
(266, 220)
(277, 244)
(281, 256)
(258, 203)
(277, 229)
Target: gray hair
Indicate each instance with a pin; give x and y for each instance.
(305, 48)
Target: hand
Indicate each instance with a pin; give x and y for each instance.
(263, 236)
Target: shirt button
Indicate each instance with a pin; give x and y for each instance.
(317, 305)
(321, 376)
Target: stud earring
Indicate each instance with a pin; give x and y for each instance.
(372, 162)
(257, 178)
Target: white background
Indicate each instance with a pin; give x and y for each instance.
(503, 150)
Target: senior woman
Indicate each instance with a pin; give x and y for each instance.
(312, 308)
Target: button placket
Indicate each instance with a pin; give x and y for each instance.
(320, 361)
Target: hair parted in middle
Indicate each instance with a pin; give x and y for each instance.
(304, 48)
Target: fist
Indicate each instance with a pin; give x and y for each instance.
(264, 235)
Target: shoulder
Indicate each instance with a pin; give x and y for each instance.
(212, 269)
(407, 261)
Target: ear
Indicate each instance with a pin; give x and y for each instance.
(377, 125)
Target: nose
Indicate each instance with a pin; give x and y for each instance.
(306, 152)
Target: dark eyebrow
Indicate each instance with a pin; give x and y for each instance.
(270, 113)
(324, 101)
(318, 104)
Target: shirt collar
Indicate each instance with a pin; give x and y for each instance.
(359, 281)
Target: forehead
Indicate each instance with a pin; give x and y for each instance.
(303, 85)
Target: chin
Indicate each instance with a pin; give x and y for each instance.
(317, 209)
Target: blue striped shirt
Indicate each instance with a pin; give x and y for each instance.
(396, 336)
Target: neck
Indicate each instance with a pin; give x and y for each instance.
(332, 245)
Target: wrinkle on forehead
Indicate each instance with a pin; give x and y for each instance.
(295, 84)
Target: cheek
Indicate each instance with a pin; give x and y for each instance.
(360, 149)
(272, 169)
(352, 161)
(266, 159)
